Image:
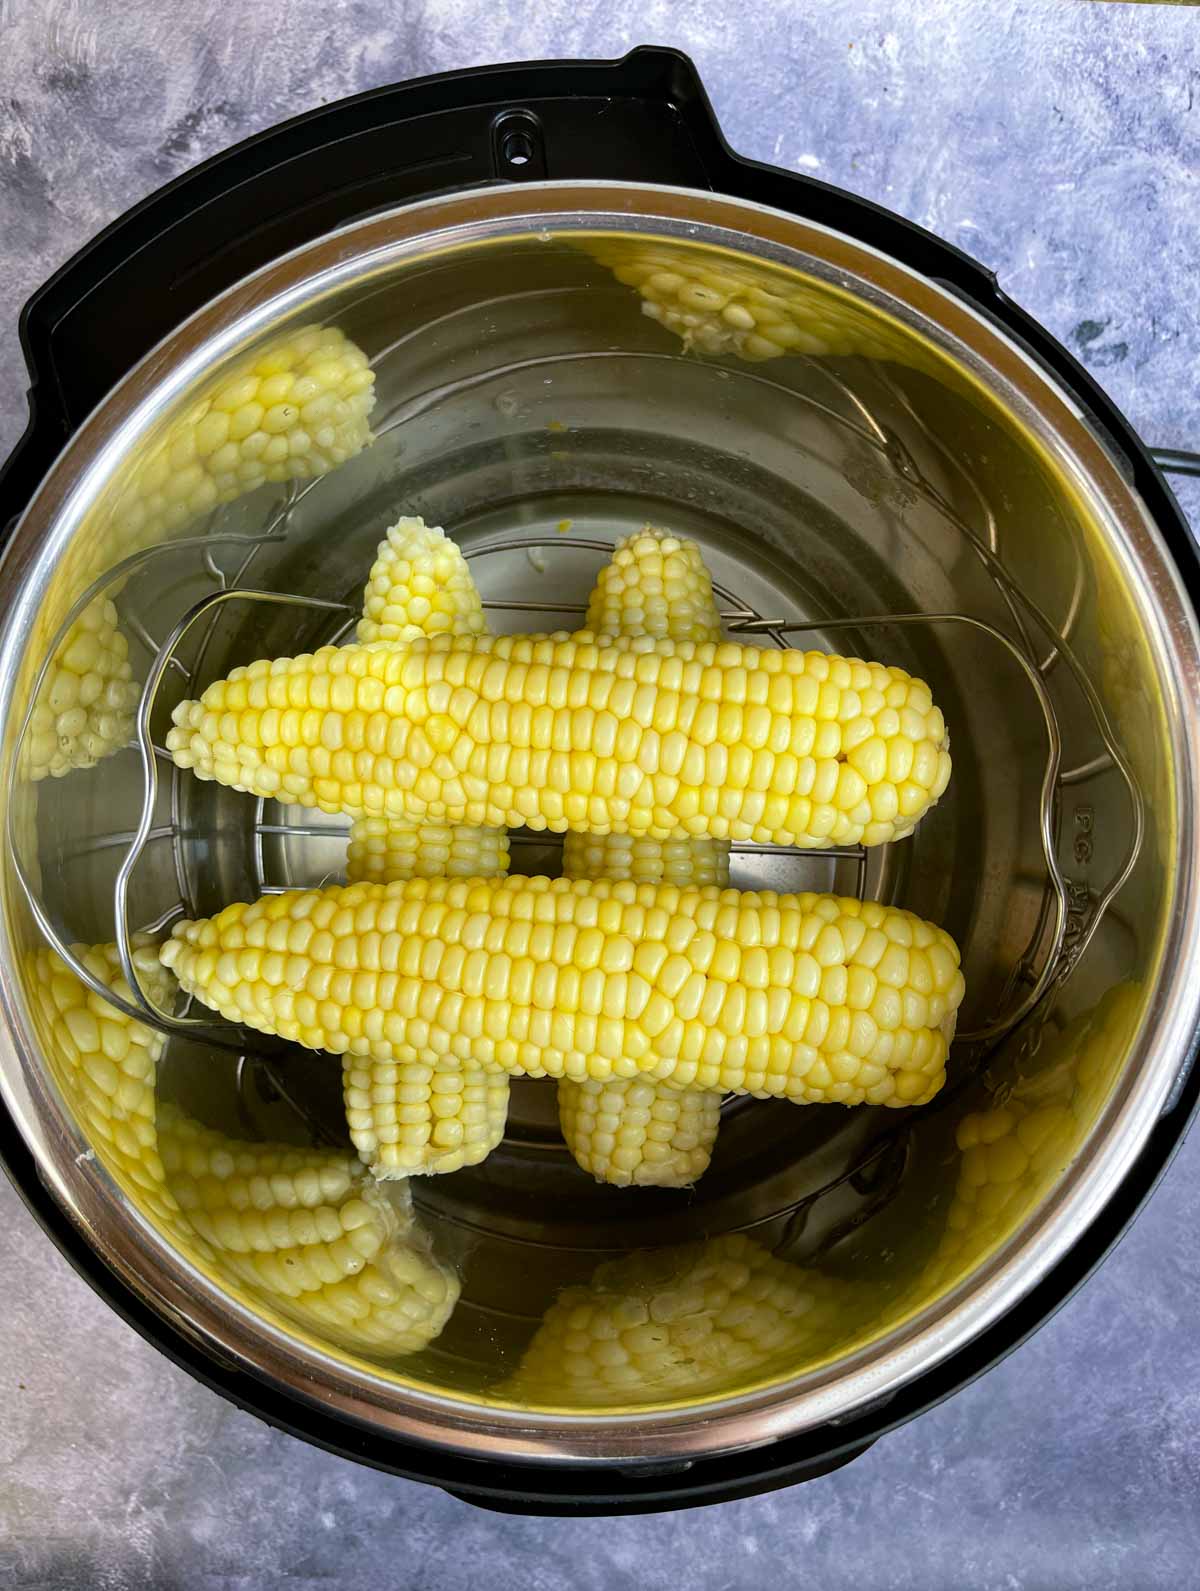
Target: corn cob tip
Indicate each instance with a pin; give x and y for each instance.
(656, 583)
(636, 1133)
(85, 708)
(420, 585)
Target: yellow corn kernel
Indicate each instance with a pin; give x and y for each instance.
(454, 991)
(476, 730)
(687, 1321)
(633, 1131)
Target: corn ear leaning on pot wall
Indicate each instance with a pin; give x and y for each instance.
(304, 1229)
(296, 408)
(682, 1322)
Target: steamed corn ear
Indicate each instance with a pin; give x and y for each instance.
(633, 1131)
(803, 997)
(718, 306)
(687, 1321)
(1014, 1153)
(308, 1231)
(621, 735)
(86, 705)
(105, 1063)
(296, 408)
(408, 1120)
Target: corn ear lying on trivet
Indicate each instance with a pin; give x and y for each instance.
(801, 997)
(617, 734)
(634, 1131)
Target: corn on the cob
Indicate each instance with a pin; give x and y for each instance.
(632, 1131)
(803, 997)
(422, 1119)
(106, 1063)
(296, 408)
(684, 1321)
(304, 1227)
(722, 306)
(85, 708)
(1014, 1153)
(632, 736)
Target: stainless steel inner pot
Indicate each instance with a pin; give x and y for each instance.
(894, 478)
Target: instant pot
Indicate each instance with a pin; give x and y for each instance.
(583, 313)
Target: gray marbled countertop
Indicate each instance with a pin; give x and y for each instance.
(1060, 143)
